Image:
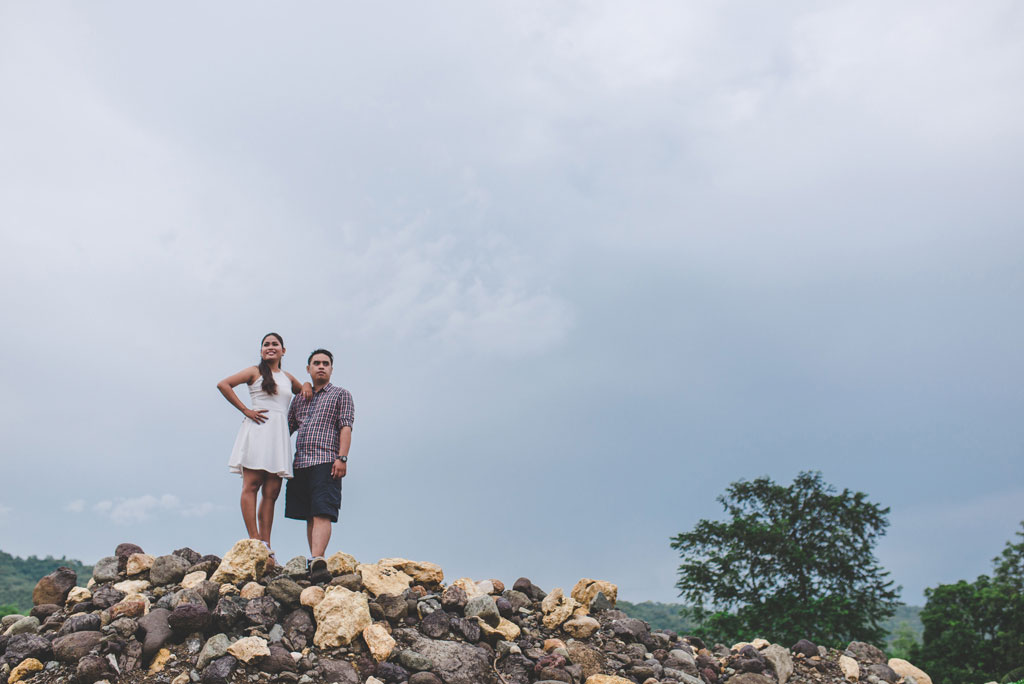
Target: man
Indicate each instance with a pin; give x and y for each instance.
(324, 424)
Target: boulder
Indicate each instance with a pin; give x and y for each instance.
(341, 563)
(24, 669)
(338, 671)
(215, 647)
(192, 580)
(587, 589)
(169, 569)
(383, 579)
(468, 586)
(138, 563)
(581, 627)
(557, 608)
(904, 669)
(247, 560)
(311, 596)
(105, 570)
(54, 588)
(136, 586)
(483, 607)
(864, 652)
(607, 679)
(156, 631)
(850, 668)
(341, 616)
(780, 661)
(454, 662)
(73, 647)
(77, 595)
(421, 572)
(805, 648)
(379, 640)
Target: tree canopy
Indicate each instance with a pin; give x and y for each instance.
(974, 631)
(790, 563)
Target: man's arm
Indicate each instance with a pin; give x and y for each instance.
(293, 418)
(340, 468)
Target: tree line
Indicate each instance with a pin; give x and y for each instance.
(18, 577)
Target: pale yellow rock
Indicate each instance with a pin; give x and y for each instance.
(25, 667)
(581, 627)
(738, 645)
(228, 590)
(132, 586)
(557, 608)
(159, 660)
(904, 668)
(90, 584)
(468, 586)
(607, 679)
(183, 678)
(420, 571)
(311, 596)
(77, 595)
(760, 644)
(247, 560)
(341, 563)
(586, 589)
(193, 579)
(252, 590)
(382, 579)
(380, 642)
(139, 563)
(509, 630)
(247, 648)
(138, 597)
(373, 680)
(341, 616)
(850, 668)
(551, 644)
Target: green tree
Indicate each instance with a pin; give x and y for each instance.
(974, 631)
(790, 563)
(8, 610)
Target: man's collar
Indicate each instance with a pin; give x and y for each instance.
(326, 385)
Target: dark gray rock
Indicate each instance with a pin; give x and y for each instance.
(189, 617)
(805, 648)
(106, 596)
(156, 631)
(865, 653)
(279, 660)
(351, 581)
(93, 668)
(436, 624)
(467, 629)
(209, 592)
(600, 602)
(168, 569)
(517, 598)
(215, 647)
(393, 608)
(285, 591)
(124, 627)
(882, 671)
(73, 647)
(188, 554)
(413, 661)
(427, 678)
(504, 607)
(516, 669)
(629, 629)
(392, 673)
(484, 608)
(44, 610)
(105, 570)
(80, 623)
(263, 611)
(219, 671)
(454, 599)
(21, 646)
(123, 552)
(229, 613)
(207, 565)
(299, 628)
(454, 662)
(338, 671)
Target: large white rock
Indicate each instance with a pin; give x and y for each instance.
(193, 579)
(383, 579)
(420, 571)
(557, 608)
(341, 616)
(380, 642)
(581, 626)
(77, 595)
(780, 660)
(311, 596)
(132, 586)
(903, 668)
(586, 589)
(247, 560)
(469, 586)
(247, 648)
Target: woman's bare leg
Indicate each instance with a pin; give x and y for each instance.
(271, 490)
(252, 480)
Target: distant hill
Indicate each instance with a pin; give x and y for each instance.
(18, 577)
(906, 622)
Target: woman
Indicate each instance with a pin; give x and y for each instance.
(262, 451)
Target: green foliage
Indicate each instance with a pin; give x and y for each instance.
(903, 641)
(974, 631)
(791, 562)
(8, 610)
(659, 615)
(18, 577)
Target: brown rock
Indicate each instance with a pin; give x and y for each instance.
(54, 587)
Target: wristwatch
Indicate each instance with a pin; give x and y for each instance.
(343, 459)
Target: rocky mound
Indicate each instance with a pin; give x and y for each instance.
(184, 618)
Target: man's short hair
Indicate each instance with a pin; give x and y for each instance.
(320, 351)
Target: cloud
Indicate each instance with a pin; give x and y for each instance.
(142, 508)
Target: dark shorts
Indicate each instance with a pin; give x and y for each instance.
(313, 492)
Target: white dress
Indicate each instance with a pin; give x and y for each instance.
(265, 446)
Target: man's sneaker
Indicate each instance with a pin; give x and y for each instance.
(318, 572)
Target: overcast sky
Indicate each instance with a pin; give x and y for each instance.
(582, 265)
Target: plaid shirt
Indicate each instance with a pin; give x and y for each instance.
(319, 421)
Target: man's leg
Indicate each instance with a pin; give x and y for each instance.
(309, 535)
(319, 535)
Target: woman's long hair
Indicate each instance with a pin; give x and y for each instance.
(269, 384)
